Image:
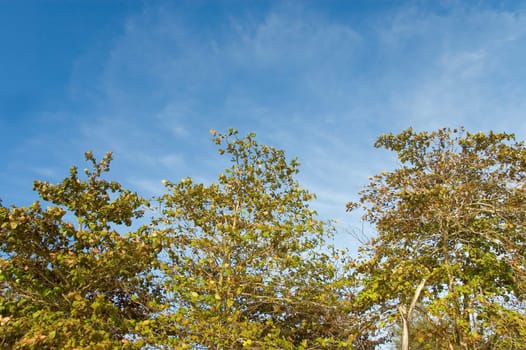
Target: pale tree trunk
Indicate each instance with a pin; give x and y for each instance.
(406, 314)
(405, 328)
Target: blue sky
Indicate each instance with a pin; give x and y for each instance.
(320, 79)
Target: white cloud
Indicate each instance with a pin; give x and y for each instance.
(147, 187)
(172, 160)
(320, 89)
(45, 172)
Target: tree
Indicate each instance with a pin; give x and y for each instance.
(245, 261)
(77, 284)
(425, 335)
(451, 239)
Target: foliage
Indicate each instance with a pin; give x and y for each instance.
(244, 262)
(76, 284)
(451, 219)
(245, 258)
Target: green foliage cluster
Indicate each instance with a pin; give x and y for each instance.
(245, 262)
(75, 283)
(451, 241)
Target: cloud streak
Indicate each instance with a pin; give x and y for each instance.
(320, 87)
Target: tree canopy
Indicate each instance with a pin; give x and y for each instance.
(451, 240)
(70, 278)
(244, 261)
(244, 257)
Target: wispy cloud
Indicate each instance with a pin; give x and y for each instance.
(464, 67)
(319, 87)
(147, 187)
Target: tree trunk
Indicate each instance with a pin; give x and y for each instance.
(406, 314)
(405, 328)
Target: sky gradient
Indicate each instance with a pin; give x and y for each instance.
(319, 79)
